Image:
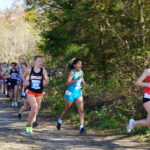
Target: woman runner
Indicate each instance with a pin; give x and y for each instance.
(74, 92)
(143, 81)
(14, 76)
(37, 80)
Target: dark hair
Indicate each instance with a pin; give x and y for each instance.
(72, 63)
(36, 57)
(14, 63)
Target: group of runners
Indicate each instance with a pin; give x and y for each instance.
(24, 83)
(12, 81)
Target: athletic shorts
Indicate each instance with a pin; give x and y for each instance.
(8, 83)
(4, 80)
(13, 83)
(33, 93)
(72, 96)
(146, 98)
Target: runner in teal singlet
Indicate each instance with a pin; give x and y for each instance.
(74, 92)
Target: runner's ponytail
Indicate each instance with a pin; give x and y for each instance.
(72, 63)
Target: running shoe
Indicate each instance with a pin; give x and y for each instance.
(58, 126)
(16, 104)
(19, 100)
(130, 126)
(82, 131)
(30, 130)
(27, 129)
(19, 115)
(13, 104)
(35, 124)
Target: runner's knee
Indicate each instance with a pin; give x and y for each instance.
(67, 109)
(34, 109)
(81, 111)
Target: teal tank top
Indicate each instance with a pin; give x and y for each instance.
(77, 85)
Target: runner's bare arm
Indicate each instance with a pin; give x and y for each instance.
(25, 75)
(69, 80)
(140, 81)
(8, 74)
(83, 81)
(46, 79)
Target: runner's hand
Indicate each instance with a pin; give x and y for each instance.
(79, 78)
(26, 83)
(44, 83)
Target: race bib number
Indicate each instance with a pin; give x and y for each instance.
(14, 75)
(68, 93)
(35, 84)
(78, 85)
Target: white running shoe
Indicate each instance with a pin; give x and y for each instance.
(130, 126)
(19, 100)
(13, 104)
(16, 104)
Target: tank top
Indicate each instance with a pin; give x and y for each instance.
(36, 81)
(14, 74)
(147, 89)
(77, 85)
(7, 69)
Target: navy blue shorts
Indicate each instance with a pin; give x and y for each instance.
(146, 98)
(12, 84)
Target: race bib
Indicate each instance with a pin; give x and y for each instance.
(68, 93)
(78, 85)
(14, 75)
(35, 84)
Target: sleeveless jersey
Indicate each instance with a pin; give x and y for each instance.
(147, 89)
(77, 85)
(36, 81)
(14, 74)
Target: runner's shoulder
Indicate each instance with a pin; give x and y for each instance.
(44, 70)
(71, 73)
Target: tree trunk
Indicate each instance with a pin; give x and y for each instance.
(141, 23)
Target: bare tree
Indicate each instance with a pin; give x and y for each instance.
(16, 36)
(141, 23)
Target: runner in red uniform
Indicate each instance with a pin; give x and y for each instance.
(143, 81)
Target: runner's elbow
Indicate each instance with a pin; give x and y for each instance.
(68, 83)
(137, 83)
